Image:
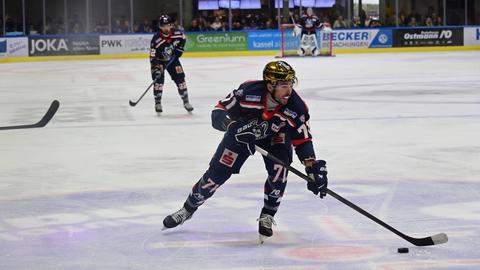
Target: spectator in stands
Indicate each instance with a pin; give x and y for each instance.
(237, 26)
(339, 22)
(117, 27)
(101, 27)
(253, 26)
(125, 26)
(375, 23)
(217, 25)
(356, 22)
(76, 29)
(10, 24)
(146, 26)
(76, 26)
(428, 21)
(363, 18)
(269, 24)
(402, 20)
(412, 22)
(49, 28)
(60, 26)
(438, 21)
(195, 26)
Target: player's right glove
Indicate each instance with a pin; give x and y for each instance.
(318, 175)
(243, 133)
(156, 74)
(178, 52)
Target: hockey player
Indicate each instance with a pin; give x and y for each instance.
(270, 114)
(166, 48)
(307, 27)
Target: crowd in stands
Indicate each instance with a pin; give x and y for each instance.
(218, 21)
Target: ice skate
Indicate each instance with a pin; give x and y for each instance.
(158, 108)
(265, 227)
(188, 106)
(177, 218)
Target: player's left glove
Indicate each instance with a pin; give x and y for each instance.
(318, 175)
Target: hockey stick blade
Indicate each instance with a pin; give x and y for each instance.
(132, 103)
(426, 241)
(43, 122)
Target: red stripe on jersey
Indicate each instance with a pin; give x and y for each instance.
(161, 42)
(220, 106)
(298, 142)
(288, 119)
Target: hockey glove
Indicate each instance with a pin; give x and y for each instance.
(318, 173)
(244, 134)
(156, 74)
(178, 52)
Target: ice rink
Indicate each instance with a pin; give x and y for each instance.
(400, 133)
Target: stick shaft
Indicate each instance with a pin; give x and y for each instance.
(427, 241)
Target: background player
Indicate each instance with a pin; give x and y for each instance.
(270, 114)
(307, 26)
(166, 48)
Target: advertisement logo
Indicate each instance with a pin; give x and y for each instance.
(217, 42)
(434, 36)
(48, 45)
(63, 45)
(111, 43)
(383, 38)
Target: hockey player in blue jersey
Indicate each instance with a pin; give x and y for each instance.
(166, 48)
(270, 114)
(308, 25)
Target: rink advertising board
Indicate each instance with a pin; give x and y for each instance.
(265, 40)
(118, 44)
(471, 36)
(13, 46)
(343, 39)
(362, 38)
(63, 45)
(225, 41)
(421, 37)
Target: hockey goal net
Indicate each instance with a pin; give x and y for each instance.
(290, 41)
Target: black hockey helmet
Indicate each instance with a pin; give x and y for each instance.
(278, 71)
(164, 19)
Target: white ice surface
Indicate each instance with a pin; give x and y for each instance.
(400, 133)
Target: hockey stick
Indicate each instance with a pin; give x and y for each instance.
(140, 98)
(426, 241)
(43, 122)
(133, 104)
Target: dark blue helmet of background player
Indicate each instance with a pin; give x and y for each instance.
(164, 20)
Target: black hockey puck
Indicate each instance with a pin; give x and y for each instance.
(402, 250)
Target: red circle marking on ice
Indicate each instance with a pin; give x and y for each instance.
(330, 253)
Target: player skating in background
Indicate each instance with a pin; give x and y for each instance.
(166, 48)
(306, 28)
(270, 114)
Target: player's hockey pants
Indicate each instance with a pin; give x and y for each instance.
(228, 160)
